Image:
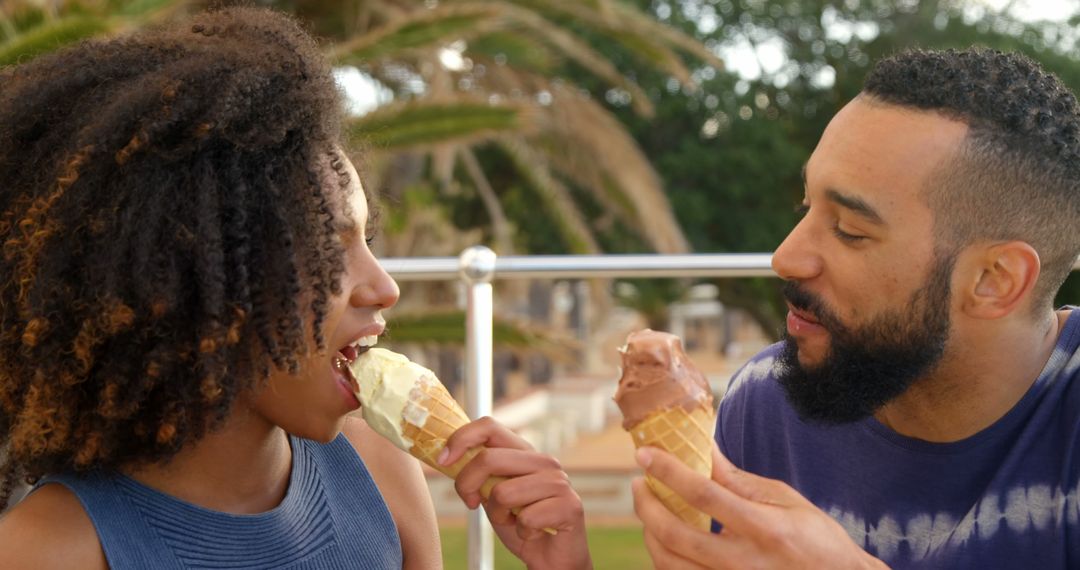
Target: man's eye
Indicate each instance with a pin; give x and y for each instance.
(846, 237)
(369, 240)
(801, 210)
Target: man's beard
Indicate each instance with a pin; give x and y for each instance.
(868, 366)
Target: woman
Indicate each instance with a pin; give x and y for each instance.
(184, 261)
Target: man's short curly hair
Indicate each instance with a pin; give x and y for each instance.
(168, 232)
(1018, 175)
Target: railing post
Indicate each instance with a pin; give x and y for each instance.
(477, 267)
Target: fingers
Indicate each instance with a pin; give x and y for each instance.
(562, 513)
(664, 559)
(528, 489)
(753, 487)
(545, 500)
(666, 537)
(707, 496)
(485, 432)
(502, 462)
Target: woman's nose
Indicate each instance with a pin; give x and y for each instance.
(380, 290)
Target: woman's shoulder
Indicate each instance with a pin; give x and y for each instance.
(49, 529)
(401, 482)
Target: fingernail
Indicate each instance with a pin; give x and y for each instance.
(644, 457)
(441, 459)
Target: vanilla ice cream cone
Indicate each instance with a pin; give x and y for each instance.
(429, 437)
(405, 403)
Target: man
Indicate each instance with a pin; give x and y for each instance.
(924, 407)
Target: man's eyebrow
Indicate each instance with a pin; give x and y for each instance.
(857, 205)
(853, 203)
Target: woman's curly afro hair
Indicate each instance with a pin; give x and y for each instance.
(167, 235)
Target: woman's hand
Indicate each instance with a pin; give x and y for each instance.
(536, 489)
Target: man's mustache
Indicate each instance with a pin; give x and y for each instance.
(810, 304)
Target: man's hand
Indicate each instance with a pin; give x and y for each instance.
(766, 523)
(536, 485)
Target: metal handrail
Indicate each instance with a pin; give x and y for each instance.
(583, 266)
(586, 266)
(478, 266)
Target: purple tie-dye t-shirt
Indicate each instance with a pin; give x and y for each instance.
(1006, 497)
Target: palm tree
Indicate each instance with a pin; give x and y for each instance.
(504, 92)
(483, 74)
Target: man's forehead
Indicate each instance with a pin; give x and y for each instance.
(882, 149)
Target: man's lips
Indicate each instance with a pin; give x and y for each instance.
(803, 315)
(801, 323)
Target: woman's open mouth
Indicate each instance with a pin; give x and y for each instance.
(348, 354)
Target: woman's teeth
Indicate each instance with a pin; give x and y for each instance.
(352, 351)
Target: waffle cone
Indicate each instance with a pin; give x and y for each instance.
(686, 435)
(445, 416)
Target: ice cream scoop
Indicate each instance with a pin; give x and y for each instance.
(666, 403)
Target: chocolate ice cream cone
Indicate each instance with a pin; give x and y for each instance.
(666, 403)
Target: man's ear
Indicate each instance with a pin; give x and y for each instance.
(997, 279)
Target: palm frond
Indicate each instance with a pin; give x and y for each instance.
(653, 53)
(417, 31)
(648, 27)
(627, 177)
(420, 124)
(647, 39)
(140, 8)
(500, 225)
(417, 225)
(521, 51)
(557, 199)
(580, 52)
(17, 17)
(51, 36)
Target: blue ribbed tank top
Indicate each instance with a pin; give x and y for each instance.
(332, 517)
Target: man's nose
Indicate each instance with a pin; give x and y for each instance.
(797, 257)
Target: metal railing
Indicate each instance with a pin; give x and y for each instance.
(582, 266)
(478, 266)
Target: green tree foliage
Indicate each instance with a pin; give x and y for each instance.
(730, 153)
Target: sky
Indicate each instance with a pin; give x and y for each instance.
(1035, 10)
